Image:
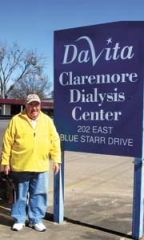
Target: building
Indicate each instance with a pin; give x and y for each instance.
(10, 107)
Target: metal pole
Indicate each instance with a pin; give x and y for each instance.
(138, 197)
(59, 194)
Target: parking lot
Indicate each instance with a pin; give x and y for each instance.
(98, 195)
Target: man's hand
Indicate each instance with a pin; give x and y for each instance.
(6, 169)
(56, 168)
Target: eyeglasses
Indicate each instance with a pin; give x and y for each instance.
(31, 105)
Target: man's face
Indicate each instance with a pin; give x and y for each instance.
(33, 109)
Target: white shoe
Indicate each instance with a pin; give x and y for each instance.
(18, 226)
(38, 226)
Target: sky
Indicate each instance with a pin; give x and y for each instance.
(32, 23)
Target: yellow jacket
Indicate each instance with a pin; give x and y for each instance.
(28, 149)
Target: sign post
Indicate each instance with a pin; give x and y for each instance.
(59, 194)
(98, 96)
(138, 197)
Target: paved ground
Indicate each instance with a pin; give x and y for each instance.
(98, 201)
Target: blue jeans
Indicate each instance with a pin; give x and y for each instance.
(31, 195)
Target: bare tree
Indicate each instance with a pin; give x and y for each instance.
(17, 66)
(31, 84)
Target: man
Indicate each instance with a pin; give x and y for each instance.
(29, 141)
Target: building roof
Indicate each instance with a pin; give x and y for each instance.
(45, 103)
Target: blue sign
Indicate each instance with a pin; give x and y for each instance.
(98, 88)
